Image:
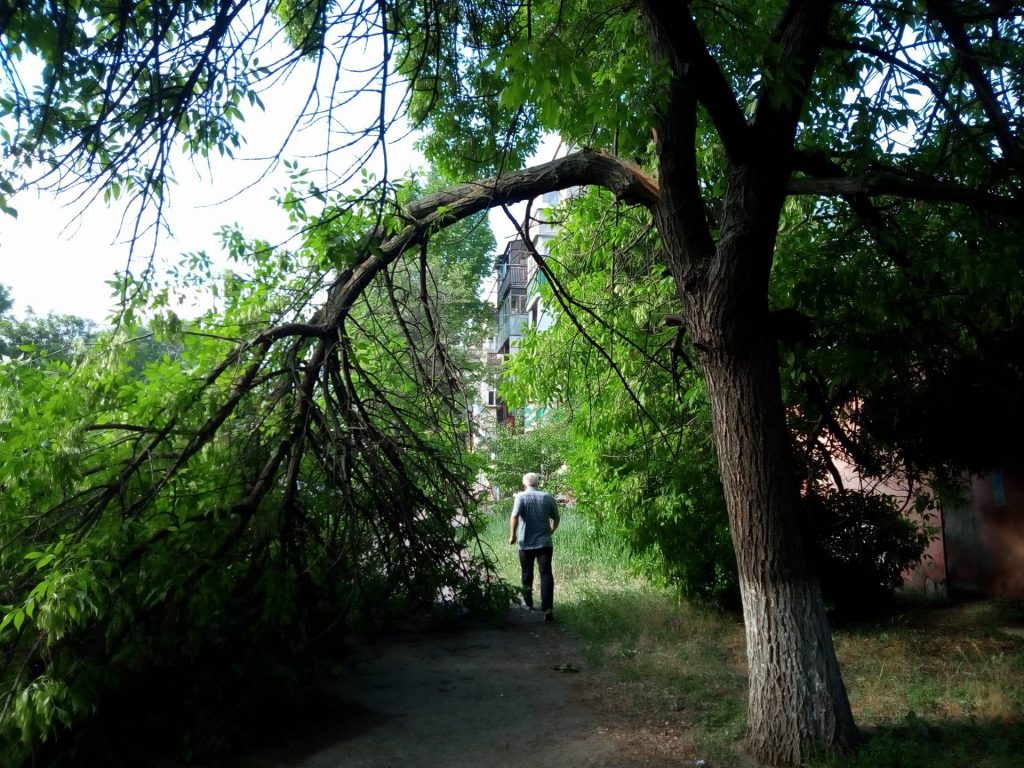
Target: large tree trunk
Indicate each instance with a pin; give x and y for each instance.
(798, 703)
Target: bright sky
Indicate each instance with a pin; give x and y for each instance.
(54, 260)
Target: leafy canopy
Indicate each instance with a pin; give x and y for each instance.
(158, 511)
(286, 442)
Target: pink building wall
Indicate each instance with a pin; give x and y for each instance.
(978, 545)
(929, 575)
(984, 538)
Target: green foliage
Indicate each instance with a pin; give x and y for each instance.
(453, 52)
(63, 337)
(544, 450)
(864, 543)
(891, 334)
(643, 462)
(271, 462)
(487, 77)
(175, 548)
(304, 22)
(638, 448)
(887, 308)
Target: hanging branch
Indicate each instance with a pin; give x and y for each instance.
(307, 412)
(560, 294)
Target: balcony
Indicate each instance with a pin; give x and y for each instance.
(511, 276)
(511, 325)
(536, 281)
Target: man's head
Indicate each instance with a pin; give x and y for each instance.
(530, 480)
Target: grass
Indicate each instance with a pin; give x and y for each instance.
(937, 685)
(675, 663)
(932, 685)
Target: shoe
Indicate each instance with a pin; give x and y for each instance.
(548, 615)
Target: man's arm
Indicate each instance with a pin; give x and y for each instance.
(553, 514)
(513, 522)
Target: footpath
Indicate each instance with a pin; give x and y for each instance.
(478, 698)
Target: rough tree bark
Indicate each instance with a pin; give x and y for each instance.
(798, 703)
(797, 700)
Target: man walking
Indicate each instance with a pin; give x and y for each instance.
(534, 519)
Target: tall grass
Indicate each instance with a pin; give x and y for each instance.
(937, 685)
(677, 665)
(931, 685)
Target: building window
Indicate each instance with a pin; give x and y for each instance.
(490, 397)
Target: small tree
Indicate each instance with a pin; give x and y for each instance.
(543, 449)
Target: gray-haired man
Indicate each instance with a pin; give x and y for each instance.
(534, 519)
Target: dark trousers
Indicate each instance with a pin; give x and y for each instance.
(547, 580)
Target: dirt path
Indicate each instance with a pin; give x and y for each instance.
(496, 698)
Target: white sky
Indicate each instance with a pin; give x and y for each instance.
(54, 260)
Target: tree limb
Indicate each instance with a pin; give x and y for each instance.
(916, 189)
(679, 39)
(954, 29)
(587, 168)
(794, 52)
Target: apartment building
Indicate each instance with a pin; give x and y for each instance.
(514, 292)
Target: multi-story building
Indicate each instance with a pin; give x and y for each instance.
(519, 303)
(515, 295)
(513, 279)
(483, 410)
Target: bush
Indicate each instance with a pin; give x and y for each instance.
(542, 450)
(863, 544)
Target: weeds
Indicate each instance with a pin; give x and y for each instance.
(931, 685)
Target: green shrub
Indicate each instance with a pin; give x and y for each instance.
(863, 544)
(542, 450)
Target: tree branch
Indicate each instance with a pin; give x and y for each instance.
(954, 29)
(588, 168)
(914, 189)
(792, 57)
(676, 36)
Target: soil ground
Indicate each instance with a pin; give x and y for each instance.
(503, 697)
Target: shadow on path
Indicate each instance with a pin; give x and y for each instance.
(498, 698)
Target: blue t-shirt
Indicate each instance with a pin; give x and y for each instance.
(534, 508)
